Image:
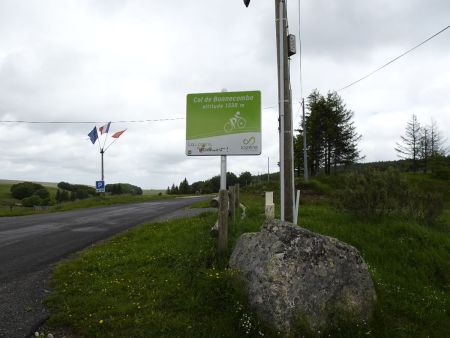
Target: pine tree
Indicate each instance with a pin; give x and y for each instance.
(437, 141)
(331, 135)
(409, 148)
(431, 145)
(64, 196)
(184, 187)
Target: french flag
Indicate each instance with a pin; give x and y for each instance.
(104, 129)
(118, 133)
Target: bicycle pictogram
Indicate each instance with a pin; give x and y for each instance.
(236, 122)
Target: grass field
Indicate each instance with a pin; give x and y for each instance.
(11, 182)
(9, 207)
(165, 279)
(154, 191)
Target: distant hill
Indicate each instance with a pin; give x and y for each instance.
(153, 191)
(45, 184)
(55, 185)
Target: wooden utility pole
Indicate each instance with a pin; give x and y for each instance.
(284, 91)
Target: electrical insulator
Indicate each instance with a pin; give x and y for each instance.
(291, 45)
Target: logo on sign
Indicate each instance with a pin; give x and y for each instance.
(249, 144)
(249, 141)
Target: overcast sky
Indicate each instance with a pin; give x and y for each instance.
(115, 60)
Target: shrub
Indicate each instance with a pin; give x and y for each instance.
(318, 187)
(64, 186)
(376, 193)
(31, 201)
(42, 193)
(440, 167)
(47, 201)
(25, 189)
(77, 191)
(123, 188)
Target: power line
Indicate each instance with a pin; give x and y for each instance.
(395, 59)
(96, 122)
(90, 122)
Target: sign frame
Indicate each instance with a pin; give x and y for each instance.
(100, 186)
(223, 123)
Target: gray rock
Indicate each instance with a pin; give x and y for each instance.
(292, 274)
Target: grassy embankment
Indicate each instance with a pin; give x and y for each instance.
(9, 207)
(165, 279)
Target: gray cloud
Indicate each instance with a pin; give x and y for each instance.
(137, 60)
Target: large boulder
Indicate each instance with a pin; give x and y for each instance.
(294, 276)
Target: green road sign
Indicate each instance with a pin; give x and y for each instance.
(225, 123)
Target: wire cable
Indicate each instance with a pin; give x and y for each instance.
(97, 122)
(90, 122)
(393, 60)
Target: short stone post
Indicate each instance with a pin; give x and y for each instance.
(223, 221)
(270, 207)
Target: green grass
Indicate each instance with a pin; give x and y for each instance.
(203, 204)
(6, 200)
(409, 264)
(154, 191)
(165, 279)
(159, 280)
(5, 194)
(107, 200)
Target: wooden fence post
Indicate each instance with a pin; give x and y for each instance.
(238, 197)
(232, 203)
(223, 221)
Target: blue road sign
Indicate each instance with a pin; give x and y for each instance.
(100, 186)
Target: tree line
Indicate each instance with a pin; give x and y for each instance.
(209, 186)
(424, 146)
(72, 192)
(332, 140)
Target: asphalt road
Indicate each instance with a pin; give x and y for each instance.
(30, 245)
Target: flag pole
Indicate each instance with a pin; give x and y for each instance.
(103, 174)
(114, 140)
(108, 124)
(99, 146)
(110, 144)
(101, 155)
